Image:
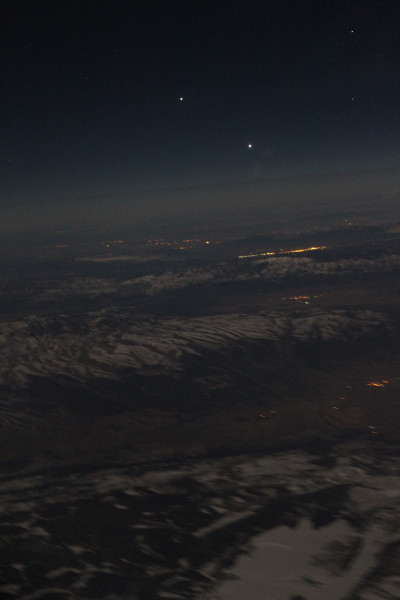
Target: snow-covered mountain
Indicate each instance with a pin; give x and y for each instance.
(103, 343)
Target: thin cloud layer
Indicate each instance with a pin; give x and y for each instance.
(269, 269)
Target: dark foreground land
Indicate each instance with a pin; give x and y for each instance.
(169, 413)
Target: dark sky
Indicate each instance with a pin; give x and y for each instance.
(90, 99)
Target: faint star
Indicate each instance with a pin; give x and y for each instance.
(249, 145)
(181, 99)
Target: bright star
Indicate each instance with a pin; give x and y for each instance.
(181, 99)
(249, 145)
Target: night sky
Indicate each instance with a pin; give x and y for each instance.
(116, 105)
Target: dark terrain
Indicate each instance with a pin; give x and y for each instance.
(150, 389)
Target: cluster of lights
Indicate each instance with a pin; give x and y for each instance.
(111, 242)
(264, 416)
(303, 299)
(374, 384)
(181, 245)
(255, 255)
(378, 383)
